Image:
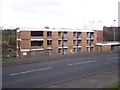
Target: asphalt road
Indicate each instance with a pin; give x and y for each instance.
(44, 74)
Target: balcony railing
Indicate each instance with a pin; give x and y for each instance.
(36, 47)
(49, 37)
(36, 37)
(88, 38)
(79, 37)
(65, 45)
(90, 45)
(77, 44)
(60, 45)
(65, 38)
(59, 38)
(49, 46)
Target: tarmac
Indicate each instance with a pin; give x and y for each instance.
(102, 79)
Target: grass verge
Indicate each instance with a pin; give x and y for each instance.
(114, 86)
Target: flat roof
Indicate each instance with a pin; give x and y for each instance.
(65, 29)
(109, 43)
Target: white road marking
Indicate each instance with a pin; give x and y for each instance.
(13, 74)
(36, 70)
(81, 63)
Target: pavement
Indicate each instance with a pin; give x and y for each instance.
(22, 61)
(45, 74)
(99, 80)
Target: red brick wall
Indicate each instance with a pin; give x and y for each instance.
(99, 36)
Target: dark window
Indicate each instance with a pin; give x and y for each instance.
(49, 42)
(36, 33)
(59, 50)
(49, 33)
(36, 43)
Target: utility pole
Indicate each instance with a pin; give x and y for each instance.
(77, 42)
(90, 41)
(114, 30)
(62, 44)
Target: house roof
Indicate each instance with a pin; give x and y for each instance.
(62, 29)
(109, 43)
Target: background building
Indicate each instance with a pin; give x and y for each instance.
(108, 33)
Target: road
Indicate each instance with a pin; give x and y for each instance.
(43, 74)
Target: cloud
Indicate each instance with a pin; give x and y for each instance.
(33, 6)
(60, 13)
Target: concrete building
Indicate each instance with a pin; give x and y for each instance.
(32, 42)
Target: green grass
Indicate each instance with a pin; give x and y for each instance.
(114, 86)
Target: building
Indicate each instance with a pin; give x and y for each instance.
(32, 42)
(99, 35)
(107, 46)
(108, 39)
(111, 33)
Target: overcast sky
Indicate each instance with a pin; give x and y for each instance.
(57, 13)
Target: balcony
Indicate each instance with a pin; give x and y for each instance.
(37, 48)
(59, 38)
(75, 45)
(37, 38)
(90, 45)
(79, 37)
(49, 47)
(64, 46)
(92, 37)
(49, 37)
(65, 38)
(59, 45)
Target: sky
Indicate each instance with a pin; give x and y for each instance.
(58, 13)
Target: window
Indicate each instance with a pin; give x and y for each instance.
(92, 34)
(65, 51)
(79, 42)
(60, 51)
(65, 43)
(74, 50)
(92, 42)
(92, 49)
(88, 42)
(49, 34)
(79, 34)
(88, 49)
(75, 42)
(36, 33)
(74, 34)
(59, 42)
(64, 34)
(79, 50)
(59, 34)
(88, 34)
(36, 43)
(49, 42)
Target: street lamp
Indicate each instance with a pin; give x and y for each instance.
(114, 30)
(77, 42)
(62, 44)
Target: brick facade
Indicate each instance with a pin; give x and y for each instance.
(54, 42)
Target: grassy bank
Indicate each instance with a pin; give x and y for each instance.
(114, 86)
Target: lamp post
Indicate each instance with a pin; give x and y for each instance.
(77, 42)
(114, 30)
(62, 44)
(90, 42)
